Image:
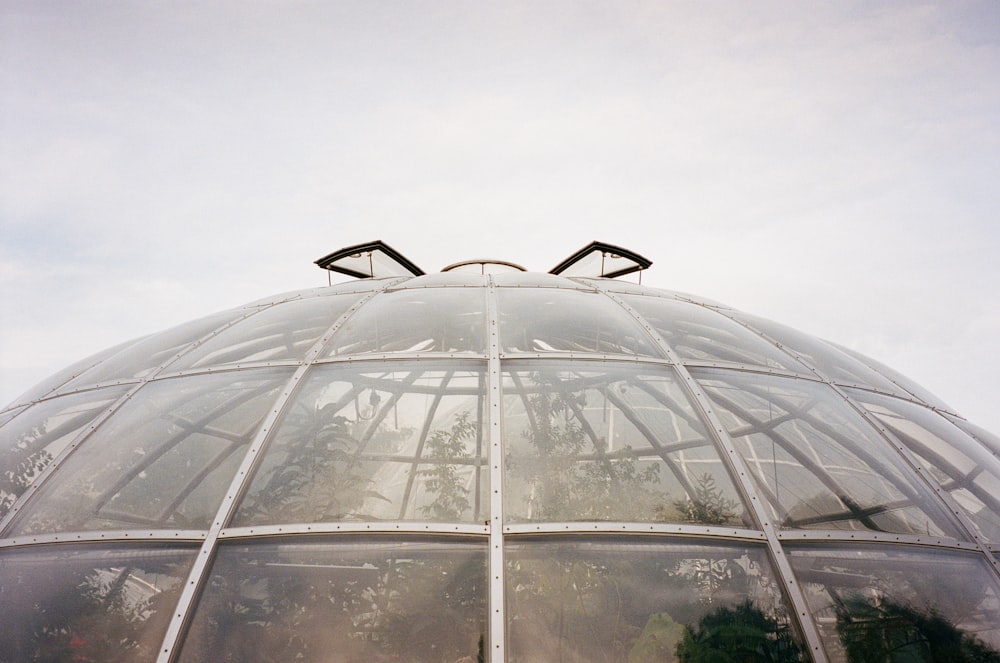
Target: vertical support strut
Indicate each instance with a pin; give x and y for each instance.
(741, 472)
(497, 652)
(169, 650)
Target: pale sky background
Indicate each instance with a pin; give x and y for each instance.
(831, 165)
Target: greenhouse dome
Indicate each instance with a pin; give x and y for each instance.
(491, 464)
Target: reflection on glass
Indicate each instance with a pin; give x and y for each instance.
(609, 443)
(417, 320)
(894, 603)
(638, 601)
(282, 332)
(817, 462)
(699, 334)
(163, 461)
(365, 601)
(140, 359)
(549, 320)
(87, 603)
(400, 440)
(960, 465)
(33, 439)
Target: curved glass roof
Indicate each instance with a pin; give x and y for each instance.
(507, 467)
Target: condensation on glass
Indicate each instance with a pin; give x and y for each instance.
(392, 420)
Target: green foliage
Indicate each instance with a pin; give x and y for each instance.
(743, 634)
(321, 477)
(361, 609)
(886, 632)
(659, 640)
(564, 487)
(451, 497)
(708, 506)
(21, 461)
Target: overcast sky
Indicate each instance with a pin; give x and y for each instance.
(831, 165)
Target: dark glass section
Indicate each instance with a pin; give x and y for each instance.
(446, 320)
(817, 463)
(960, 465)
(379, 441)
(164, 460)
(363, 601)
(534, 320)
(880, 604)
(80, 603)
(593, 441)
(698, 334)
(633, 601)
(31, 441)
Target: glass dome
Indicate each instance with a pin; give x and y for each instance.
(506, 466)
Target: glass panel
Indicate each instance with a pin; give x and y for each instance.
(962, 466)
(10, 413)
(163, 461)
(626, 288)
(702, 335)
(141, 358)
(388, 441)
(57, 380)
(445, 279)
(817, 462)
(88, 603)
(831, 363)
(421, 320)
(281, 333)
(637, 601)
(901, 604)
(33, 439)
(904, 382)
(537, 280)
(610, 443)
(983, 436)
(360, 601)
(543, 320)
